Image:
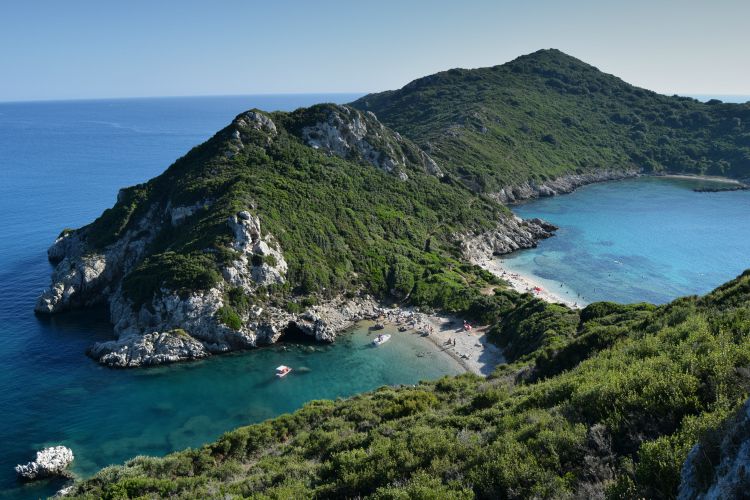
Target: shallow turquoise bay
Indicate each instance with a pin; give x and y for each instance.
(646, 239)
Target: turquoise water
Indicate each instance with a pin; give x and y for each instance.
(646, 239)
(61, 164)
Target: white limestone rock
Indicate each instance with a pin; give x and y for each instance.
(49, 462)
(149, 349)
(83, 277)
(260, 260)
(510, 234)
(560, 185)
(729, 476)
(177, 215)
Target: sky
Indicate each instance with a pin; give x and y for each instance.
(79, 49)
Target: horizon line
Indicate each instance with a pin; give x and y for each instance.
(363, 93)
(179, 96)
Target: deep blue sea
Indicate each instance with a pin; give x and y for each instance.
(61, 164)
(647, 239)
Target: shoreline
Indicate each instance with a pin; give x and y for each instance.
(696, 177)
(473, 350)
(523, 283)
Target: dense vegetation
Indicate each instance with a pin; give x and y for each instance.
(547, 114)
(607, 401)
(342, 224)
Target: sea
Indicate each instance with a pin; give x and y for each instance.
(648, 239)
(61, 165)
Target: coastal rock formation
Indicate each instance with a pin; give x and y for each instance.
(84, 277)
(49, 462)
(720, 469)
(208, 336)
(149, 349)
(512, 233)
(260, 260)
(560, 185)
(349, 133)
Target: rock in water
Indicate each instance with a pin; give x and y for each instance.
(49, 462)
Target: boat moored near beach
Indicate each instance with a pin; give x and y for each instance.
(381, 339)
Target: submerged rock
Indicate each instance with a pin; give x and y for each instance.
(49, 462)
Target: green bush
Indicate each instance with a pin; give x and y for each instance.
(229, 317)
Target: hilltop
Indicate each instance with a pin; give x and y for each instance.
(547, 122)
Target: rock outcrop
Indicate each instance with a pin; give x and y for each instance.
(719, 467)
(84, 276)
(49, 462)
(511, 234)
(348, 133)
(560, 185)
(259, 261)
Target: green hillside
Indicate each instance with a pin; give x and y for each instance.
(546, 114)
(343, 224)
(605, 401)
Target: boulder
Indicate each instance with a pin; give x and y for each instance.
(49, 462)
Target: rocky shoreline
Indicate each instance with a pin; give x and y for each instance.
(560, 185)
(174, 326)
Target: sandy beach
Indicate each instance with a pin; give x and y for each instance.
(712, 178)
(528, 284)
(472, 350)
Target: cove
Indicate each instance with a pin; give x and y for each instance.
(62, 165)
(648, 239)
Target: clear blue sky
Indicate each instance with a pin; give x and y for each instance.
(93, 49)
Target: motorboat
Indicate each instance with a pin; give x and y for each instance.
(381, 339)
(282, 371)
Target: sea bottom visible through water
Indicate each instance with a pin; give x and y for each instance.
(107, 416)
(647, 239)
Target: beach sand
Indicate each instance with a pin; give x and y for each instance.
(527, 284)
(712, 178)
(473, 351)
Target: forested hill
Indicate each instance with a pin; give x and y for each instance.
(547, 114)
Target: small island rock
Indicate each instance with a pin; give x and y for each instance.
(49, 462)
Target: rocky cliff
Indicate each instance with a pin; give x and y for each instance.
(560, 185)
(719, 466)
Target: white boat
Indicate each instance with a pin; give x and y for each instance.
(381, 339)
(282, 371)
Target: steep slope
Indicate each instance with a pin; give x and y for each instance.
(279, 220)
(547, 122)
(618, 421)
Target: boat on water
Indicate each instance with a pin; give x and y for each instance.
(381, 339)
(282, 371)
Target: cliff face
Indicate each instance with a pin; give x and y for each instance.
(719, 467)
(189, 269)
